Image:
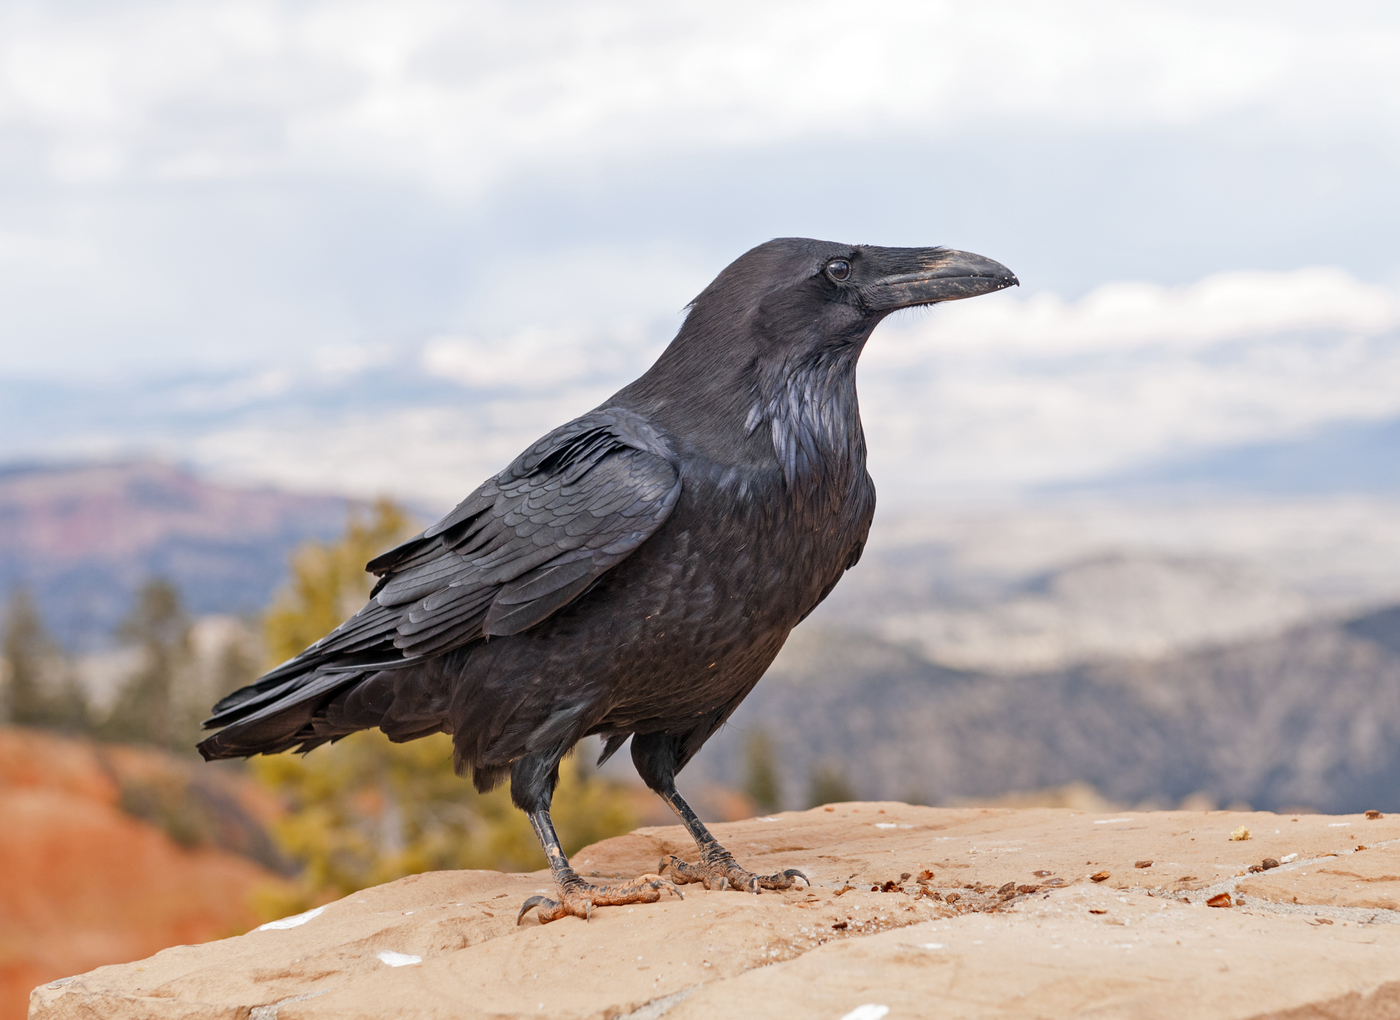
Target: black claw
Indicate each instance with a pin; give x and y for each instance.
(533, 901)
(665, 863)
(794, 873)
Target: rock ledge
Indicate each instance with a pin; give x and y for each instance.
(928, 912)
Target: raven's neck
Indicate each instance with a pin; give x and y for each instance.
(734, 408)
(812, 414)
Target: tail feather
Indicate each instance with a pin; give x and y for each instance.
(276, 720)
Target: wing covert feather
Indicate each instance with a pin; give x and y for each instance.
(522, 546)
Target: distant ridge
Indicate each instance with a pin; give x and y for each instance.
(1306, 718)
(1340, 457)
(84, 536)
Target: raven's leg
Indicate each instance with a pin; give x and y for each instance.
(655, 756)
(576, 896)
(535, 785)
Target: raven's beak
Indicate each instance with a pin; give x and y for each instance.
(943, 275)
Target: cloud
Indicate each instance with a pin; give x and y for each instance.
(533, 358)
(514, 201)
(1137, 315)
(1009, 392)
(458, 97)
(433, 455)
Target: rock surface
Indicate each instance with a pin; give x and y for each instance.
(1026, 913)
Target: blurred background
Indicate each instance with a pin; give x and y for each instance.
(282, 281)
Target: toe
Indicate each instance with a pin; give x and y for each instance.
(543, 902)
(573, 904)
(783, 880)
(549, 910)
(683, 872)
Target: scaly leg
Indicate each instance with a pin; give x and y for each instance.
(576, 896)
(655, 755)
(717, 868)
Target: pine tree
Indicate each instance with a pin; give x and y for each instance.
(761, 772)
(151, 706)
(26, 649)
(328, 583)
(829, 785)
(41, 689)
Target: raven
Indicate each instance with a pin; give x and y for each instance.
(634, 572)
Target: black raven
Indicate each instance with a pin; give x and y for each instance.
(634, 572)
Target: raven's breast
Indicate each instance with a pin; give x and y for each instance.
(700, 611)
(673, 637)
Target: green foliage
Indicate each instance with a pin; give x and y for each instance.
(328, 583)
(163, 702)
(829, 785)
(40, 687)
(365, 810)
(236, 667)
(165, 802)
(156, 705)
(761, 772)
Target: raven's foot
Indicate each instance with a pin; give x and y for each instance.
(718, 870)
(578, 898)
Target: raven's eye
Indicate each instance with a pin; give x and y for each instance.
(838, 269)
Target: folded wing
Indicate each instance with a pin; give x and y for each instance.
(522, 546)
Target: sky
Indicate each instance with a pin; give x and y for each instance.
(381, 246)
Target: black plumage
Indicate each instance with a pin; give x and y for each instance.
(635, 571)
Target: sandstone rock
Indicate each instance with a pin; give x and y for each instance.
(1141, 944)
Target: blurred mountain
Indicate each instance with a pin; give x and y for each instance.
(1239, 649)
(1235, 650)
(1352, 456)
(1106, 606)
(83, 537)
(1306, 718)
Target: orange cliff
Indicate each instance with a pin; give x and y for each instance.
(83, 883)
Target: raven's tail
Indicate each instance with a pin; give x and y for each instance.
(406, 699)
(278, 717)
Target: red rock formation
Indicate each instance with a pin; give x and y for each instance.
(84, 884)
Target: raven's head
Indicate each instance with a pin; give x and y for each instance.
(794, 308)
(794, 290)
(794, 297)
